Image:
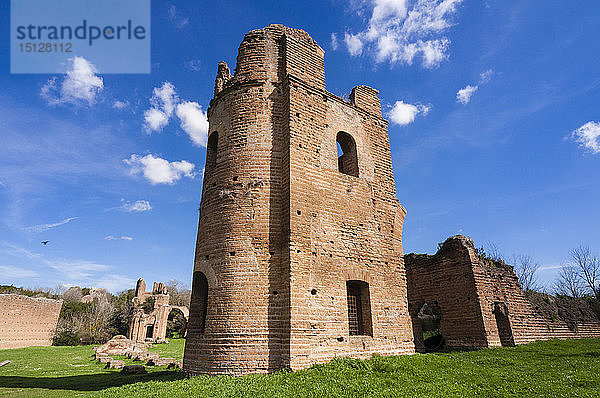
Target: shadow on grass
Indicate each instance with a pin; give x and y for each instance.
(92, 382)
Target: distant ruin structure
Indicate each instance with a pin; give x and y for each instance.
(27, 321)
(299, 249)
(151, 313)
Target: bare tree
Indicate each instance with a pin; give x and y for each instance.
(492, 251)
(588, 268)
(569, 282)
(526, 270)
(179, 293)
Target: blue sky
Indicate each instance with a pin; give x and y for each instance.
(495, 132)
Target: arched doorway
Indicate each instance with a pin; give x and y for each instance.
(503, 323)
(430, 318)
(176, 324)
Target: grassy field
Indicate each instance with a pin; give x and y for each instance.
(72, 371)
(543, 369)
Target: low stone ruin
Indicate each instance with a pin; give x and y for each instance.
(121, 345)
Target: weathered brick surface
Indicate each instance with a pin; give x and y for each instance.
(467, 289)
(154, 322)
(284, 224)
(26, 321)
(281, 229)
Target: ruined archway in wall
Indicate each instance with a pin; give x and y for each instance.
(503, 323)
(430, 320)
(347, 155)
(177, 322)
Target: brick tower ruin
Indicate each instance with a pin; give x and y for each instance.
(299, 248)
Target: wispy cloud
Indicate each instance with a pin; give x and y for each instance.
(112, 237)
(464, 94)
(120, 104)
(194, 65)
(334, 42)
(588, 137)
(136, 207)
(158, 170)
(403, 113)
(399, 31)
(549, 267)
(176, 18)
(60, 270)
(45, 227)
(17, 272)
(80, 86)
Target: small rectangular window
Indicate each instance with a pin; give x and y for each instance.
(359, 308)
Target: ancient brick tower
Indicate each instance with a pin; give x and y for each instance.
(299, 253)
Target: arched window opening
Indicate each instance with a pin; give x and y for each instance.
(347, 156)
(176, 324)
(199, 303)
(211, 151)
(430, 317)
(359, 308)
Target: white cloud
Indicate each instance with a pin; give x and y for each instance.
(45, 227)
(120, 104)
(136, 207)
(113, 282)
(353, 43)
(464, 94)
(176, 18)
(16, 272)
(588, 136)
(112, 237)
(163, 102)
(194, 65)
(401, 30)
(403, 113)
(158, 170)
(80, 86)
(485, 77)
(66, 272)
(155, 120)
(193, 121)
(334, 42)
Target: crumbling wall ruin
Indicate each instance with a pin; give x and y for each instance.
(27, 321)
(151, 313)
(481, 301)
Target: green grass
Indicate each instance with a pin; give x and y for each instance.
(72, 371)
(543, 369)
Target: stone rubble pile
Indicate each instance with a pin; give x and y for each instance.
(121, 345)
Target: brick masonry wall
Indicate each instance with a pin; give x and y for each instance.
(278, 221)
(446, 280)
(26, 321)
(468, 289)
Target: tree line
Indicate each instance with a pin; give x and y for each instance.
(94, 315)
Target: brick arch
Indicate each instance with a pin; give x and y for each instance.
(184, 310)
